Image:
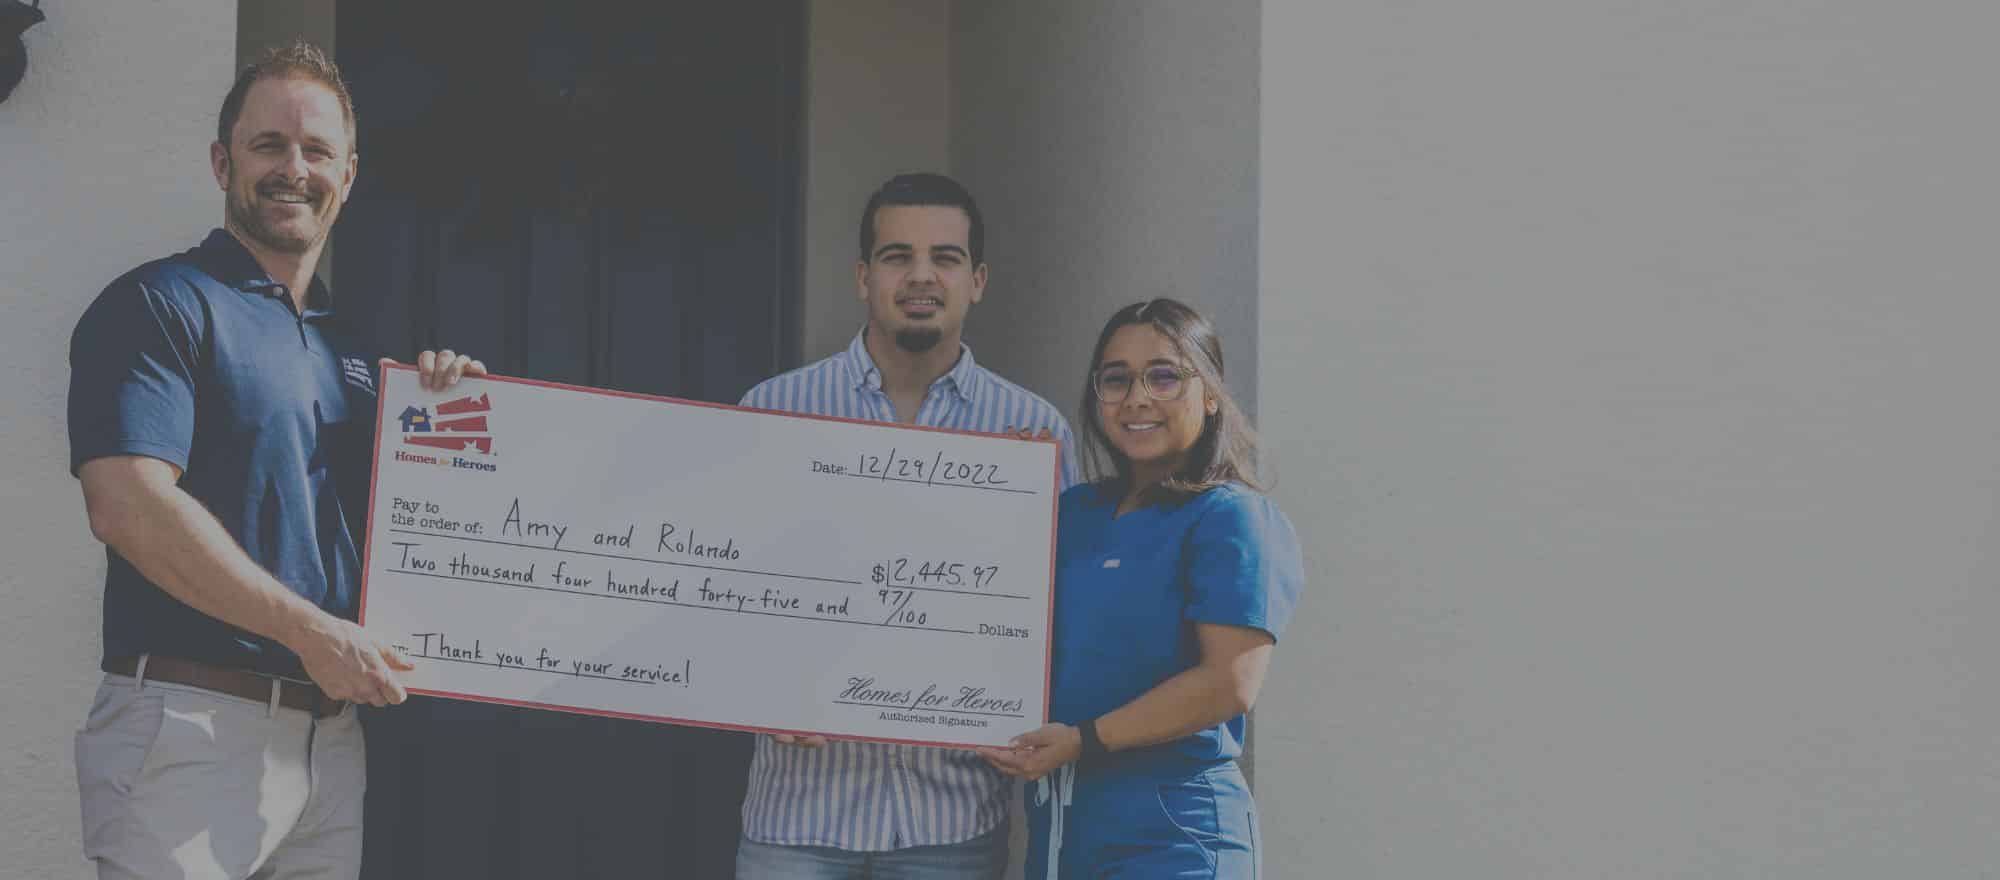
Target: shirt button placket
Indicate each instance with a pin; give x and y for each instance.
(900, 771)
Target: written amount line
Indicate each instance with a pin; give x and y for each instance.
(776, 574)
(673, 604)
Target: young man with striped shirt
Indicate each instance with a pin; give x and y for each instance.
(819, 809)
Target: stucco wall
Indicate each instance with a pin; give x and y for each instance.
(104, 164)
(1646, 353)
(877, 104)
(1113, 147)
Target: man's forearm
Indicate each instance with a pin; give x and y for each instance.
(179, 546)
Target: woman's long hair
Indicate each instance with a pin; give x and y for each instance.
(1225, 452)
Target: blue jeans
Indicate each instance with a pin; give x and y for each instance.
(981, 858)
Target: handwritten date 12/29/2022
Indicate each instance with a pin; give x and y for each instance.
(900, 466)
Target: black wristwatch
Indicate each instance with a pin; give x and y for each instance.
(1093, 748)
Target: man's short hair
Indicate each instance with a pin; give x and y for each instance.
(300, 60)
(924, 189)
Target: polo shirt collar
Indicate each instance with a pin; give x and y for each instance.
(963, 379)
(226, 260)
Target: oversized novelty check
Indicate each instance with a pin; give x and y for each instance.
(607, 553)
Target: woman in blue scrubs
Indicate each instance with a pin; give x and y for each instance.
(1174, 578)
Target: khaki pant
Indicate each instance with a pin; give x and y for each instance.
(182, 782)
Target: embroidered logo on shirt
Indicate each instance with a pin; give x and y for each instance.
(357, 373)
(1110, 563)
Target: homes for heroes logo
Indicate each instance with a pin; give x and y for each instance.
(459, 429)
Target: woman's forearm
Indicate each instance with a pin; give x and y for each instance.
(1192, 701)
(1220, 687)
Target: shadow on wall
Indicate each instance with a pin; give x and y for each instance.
(15, 18)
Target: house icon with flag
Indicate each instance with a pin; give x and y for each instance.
(415, 418)
(460, 425)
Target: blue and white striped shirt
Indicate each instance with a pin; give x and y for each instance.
(872, 797)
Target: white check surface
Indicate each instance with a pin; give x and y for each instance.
(577, 550)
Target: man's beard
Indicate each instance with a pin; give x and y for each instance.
(247, 219)
(917, 340)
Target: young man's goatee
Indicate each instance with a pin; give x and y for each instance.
(917, 340)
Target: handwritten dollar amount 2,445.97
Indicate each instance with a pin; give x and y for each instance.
(934, 574)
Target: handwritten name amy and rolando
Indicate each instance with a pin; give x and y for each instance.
(414, 513)
(672, 542)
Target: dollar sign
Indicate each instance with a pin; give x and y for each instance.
(878, 574)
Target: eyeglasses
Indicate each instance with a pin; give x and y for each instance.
(1162, 382)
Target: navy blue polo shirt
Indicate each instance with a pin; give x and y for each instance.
(200, 360)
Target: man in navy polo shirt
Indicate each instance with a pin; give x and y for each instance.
(221, 427)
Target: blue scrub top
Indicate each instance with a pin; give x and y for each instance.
(1130, 589)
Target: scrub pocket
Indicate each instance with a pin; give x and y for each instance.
(1217, 818)
(1189, 807)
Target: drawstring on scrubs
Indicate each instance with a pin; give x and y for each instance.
(1057, 796)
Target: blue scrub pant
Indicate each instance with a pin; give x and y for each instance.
(1144, 825)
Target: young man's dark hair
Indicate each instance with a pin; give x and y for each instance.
(924, 189)
(300, 60)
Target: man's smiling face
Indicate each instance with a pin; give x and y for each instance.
(919, 281)
(288, 167)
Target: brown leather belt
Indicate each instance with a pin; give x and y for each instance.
(303, 696)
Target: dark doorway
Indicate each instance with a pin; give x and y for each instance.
(602, 193)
